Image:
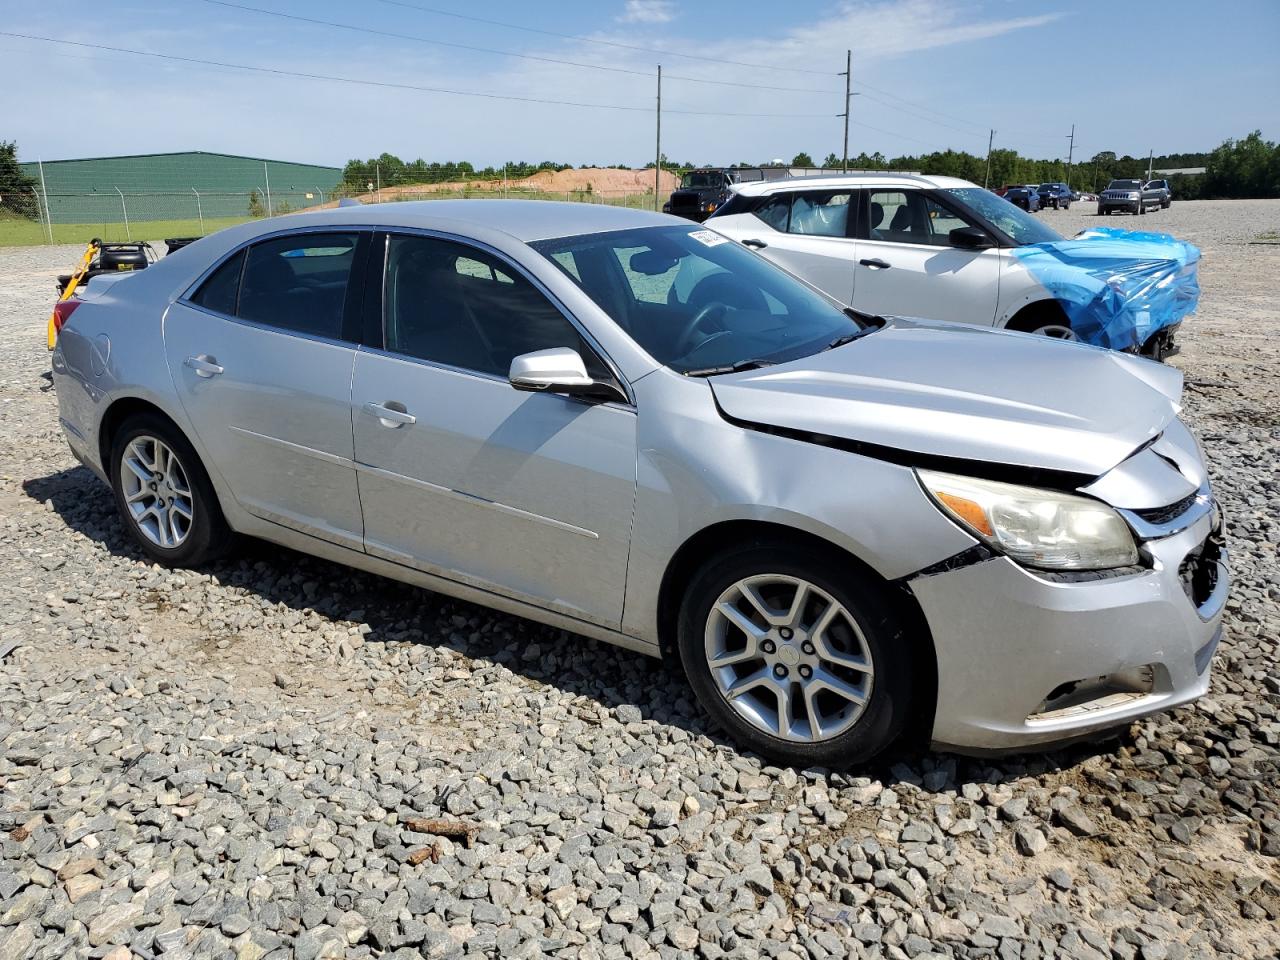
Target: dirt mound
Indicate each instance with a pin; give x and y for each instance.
(602, 182)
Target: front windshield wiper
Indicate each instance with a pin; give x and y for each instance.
(875, 324)
(729, 368)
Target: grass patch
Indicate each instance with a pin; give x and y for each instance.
(27, 233)
(1271, 236)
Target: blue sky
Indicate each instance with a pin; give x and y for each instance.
(1132, 76)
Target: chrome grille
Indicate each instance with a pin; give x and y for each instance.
(1167, 514)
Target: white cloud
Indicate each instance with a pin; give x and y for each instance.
(648, 11)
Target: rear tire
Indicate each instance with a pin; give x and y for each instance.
(164, 495)
(809, 667)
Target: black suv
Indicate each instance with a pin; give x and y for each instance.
(705, 190)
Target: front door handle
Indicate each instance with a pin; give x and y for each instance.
(758, 244)
(875, 264)
(204, 365)
(391, 414)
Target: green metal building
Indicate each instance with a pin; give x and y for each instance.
(172, 186)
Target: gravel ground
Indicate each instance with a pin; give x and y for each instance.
(229, 763)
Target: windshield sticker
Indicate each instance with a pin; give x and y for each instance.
(708, 238)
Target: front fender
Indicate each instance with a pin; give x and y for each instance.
(696, 470)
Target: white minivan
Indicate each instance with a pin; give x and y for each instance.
(904, 245)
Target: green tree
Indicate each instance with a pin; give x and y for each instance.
(256, 207)
(16, 188)
(802, 159)
(831, 162)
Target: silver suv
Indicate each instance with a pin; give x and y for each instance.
(1132, 196)
(631, 428)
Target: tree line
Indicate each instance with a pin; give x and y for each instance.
(1249, 167)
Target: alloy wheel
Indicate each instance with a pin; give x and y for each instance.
(788, 658)
(156, 490)
(1057, 331)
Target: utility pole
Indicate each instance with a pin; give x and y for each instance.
(657, 156)
(1150, 154)
(1071, 149)
(377, 172)
(848, 79)
(267, 177)
(986, 181)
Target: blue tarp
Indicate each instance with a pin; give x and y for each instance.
(1118, 287)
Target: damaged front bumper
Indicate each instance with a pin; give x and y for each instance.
(1027, 658)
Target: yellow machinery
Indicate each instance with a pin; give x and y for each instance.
(99, 257)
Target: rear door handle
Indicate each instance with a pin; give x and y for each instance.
(390, 416)
(758, 244)
(204, 365)
(875, 264)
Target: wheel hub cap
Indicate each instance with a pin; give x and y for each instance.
(788, 658)
(157, 493)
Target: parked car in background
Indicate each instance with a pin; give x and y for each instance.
(1164, 191)
(1132, 196)
(1026, 196)
(945, 249)
(1056, 195)
(1087, 197)
(633, 429)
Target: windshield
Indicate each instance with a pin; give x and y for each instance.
(1124, 185)
(1016, 224)
(698, 181)
(696, 301)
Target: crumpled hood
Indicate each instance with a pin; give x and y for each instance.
(969, 393)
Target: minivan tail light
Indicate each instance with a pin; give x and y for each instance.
(62, 311)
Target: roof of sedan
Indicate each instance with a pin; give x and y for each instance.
(757, 188)
(525, 220)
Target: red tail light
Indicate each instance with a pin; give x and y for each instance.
(62, 311)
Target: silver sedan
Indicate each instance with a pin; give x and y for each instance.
(844, 529)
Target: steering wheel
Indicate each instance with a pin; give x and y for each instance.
(684, 343)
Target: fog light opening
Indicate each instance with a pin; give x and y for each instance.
(1094, 694)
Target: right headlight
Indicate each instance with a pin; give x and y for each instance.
(1038, 528)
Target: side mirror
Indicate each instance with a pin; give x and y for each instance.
(559, 370)
(969, 238)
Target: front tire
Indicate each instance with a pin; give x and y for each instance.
(796, 655)
(164, 495)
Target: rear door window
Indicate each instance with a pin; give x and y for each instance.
(821, 213)
(299, 282)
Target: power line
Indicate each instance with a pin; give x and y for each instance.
(504, 53)
(388, 84)
(917, 116)
(574, 63)
(608, 43)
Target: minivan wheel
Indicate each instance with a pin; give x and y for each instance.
(164, 495)
(802, 668)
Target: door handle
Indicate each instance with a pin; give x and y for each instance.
(204, 365)
(390, 416)
(758, 244)
(875, 264)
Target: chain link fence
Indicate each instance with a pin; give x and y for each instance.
(33, 216)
